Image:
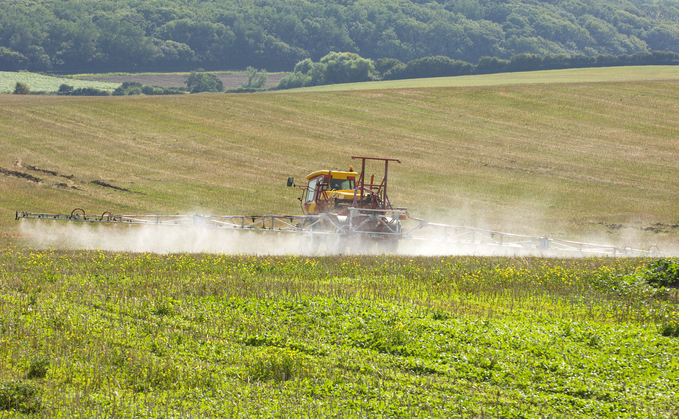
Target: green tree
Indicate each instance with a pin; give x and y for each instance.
(124, 42)
(524, 62)
(12, 60)
(256, 78)
(664, 37)
(209, 41)
(175, 53)
(91, 35)
(294, 80)
(21, 89)
(396, 72)
(346, 67)
(385, 64)
(198, 82)
(336, 67)
(89, 91)
(304, 66)
(470, 8)
(129, 88)
(437, 66)
(489, 65)
(65, 90)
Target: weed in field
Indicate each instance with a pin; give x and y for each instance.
(662, 273)
(277, 364)
(21, 396)
(670, 329)
(38, 367)
(165, 307)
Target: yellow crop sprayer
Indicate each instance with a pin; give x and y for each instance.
(345, 212)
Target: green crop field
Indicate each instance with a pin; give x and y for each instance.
(89, 333)
(47, 84)
(95, 334)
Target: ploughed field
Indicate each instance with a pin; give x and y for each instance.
(96, 334)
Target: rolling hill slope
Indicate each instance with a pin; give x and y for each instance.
(576, 160)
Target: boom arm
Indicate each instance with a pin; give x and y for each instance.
(317, 225)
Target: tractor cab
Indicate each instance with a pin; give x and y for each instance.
(329, 190)
(335, 191)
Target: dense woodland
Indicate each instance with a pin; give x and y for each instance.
(163, 35)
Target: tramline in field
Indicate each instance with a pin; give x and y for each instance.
(344, 211)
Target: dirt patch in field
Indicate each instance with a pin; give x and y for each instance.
(231, 81)
(47, 172)
(20, 175)
(26, 176)
(654, 228)
(107, 185)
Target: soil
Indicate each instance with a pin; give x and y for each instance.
(26, 176)
(20, 175)
(231, 81)
(107, 185)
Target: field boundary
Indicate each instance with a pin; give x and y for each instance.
(576, 75)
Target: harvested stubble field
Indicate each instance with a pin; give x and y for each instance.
(99, 334)
(591, 161)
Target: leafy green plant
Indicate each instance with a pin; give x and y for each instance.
(165, 307)
(277, 364)
(20, 396)
(38, 367)
(335, 67)
(89, 91)
(663, 273)
(670, 329)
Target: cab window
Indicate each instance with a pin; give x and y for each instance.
(341, 184)
(311, 189)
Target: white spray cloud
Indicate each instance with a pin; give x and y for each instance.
(184, 239)
(156, 239)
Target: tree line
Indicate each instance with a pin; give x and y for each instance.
(181, 35)
(347, 67)
(198, 81)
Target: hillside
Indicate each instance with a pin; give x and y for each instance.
(182, 35)
(574, 160)
(203, 333)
